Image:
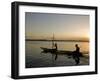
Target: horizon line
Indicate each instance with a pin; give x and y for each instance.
(56, 40)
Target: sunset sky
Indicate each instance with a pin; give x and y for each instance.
(63, 26)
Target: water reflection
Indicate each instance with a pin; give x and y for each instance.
(35, 57)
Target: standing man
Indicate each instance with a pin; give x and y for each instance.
(56, 47)
(76, 54)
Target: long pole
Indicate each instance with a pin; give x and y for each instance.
(52, 48)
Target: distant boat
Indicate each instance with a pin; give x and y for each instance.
(48, 49)
(62, 52)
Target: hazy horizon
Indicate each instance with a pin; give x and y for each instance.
(50, 39)
(63, 26)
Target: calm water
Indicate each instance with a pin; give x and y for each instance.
(35, 57)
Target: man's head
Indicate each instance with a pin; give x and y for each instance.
(76, 45)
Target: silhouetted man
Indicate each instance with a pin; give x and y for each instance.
(76, 54)
(56, 47)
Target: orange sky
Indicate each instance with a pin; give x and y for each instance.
(64, 26)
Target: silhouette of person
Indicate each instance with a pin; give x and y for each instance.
(56, 47)
(76, 54)
(77, 48)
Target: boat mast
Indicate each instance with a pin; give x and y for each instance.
(53, 48)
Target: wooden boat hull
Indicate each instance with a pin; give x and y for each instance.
(62, 52)
(48, 49)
